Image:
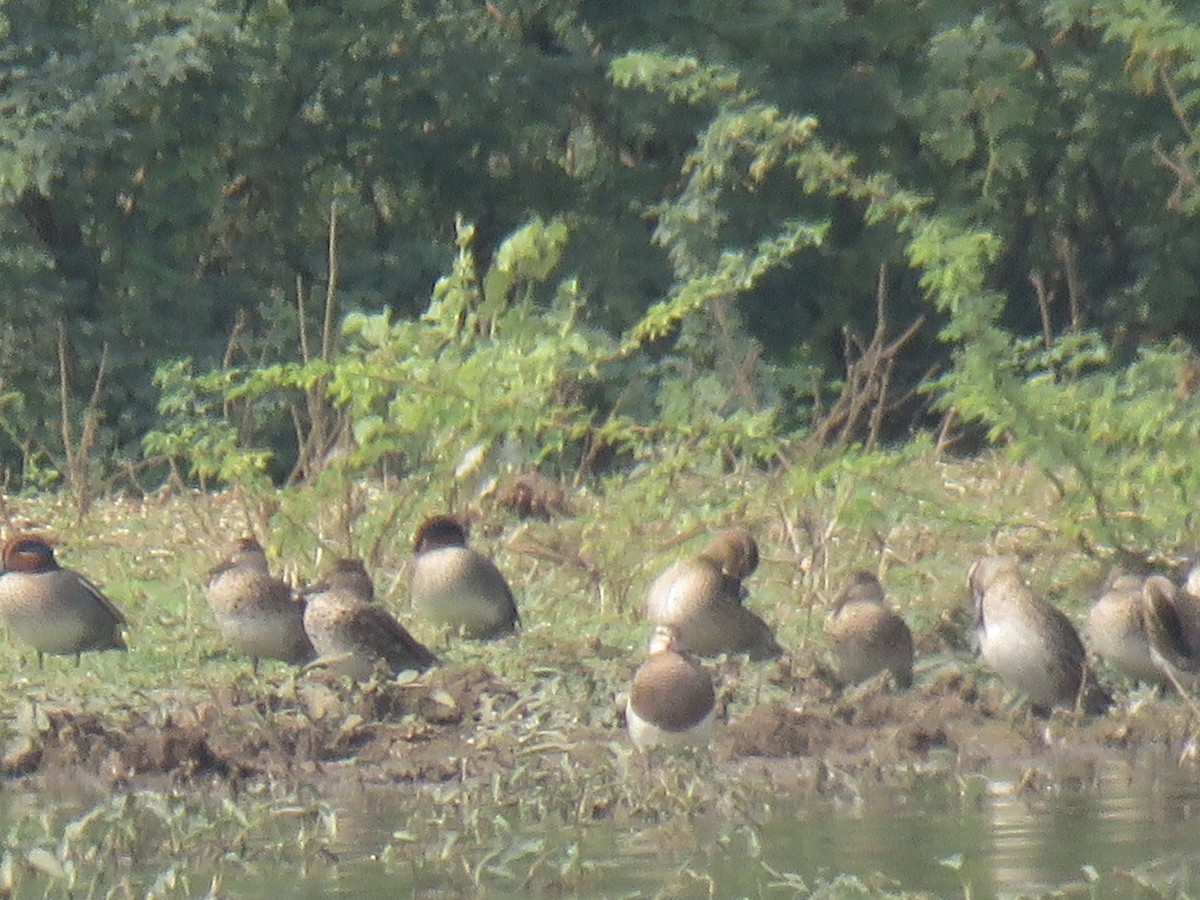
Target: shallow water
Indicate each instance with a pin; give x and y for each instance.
(1102, 831)
(1118, 828)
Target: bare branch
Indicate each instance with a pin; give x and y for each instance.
(1045, 299)
(869, 367)
(1068, 256)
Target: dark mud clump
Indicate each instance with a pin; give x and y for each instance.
(950, 713)
(868, 724)
(463, 722)
(397, 730)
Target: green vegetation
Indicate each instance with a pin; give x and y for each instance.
(864, 217)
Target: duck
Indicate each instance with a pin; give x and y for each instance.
(671, 701)
(1030, 644)
(1135, 627)
(455, 586)
(1187, 607)
(702, 597)
(735, 550)
(256, 613)
(352, 635)
(866, 636)
(53, 609)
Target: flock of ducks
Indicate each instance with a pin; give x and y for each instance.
(335, 622)
(332, 623)
(697, 608)
(1144, 627)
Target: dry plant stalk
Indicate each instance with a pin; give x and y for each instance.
(792, 533)
(1045, 300)
(1068, 257)
(1180, 164)
(865, 397)
(316, 429)
(78, 448)
(946, 437)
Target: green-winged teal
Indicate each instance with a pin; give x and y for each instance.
(256, 613)
(702, 598)
(1030, 644)
(351, 634)
(453, 585)
(1135, 628)
(55, 610)
(866, 636)
(672, 698)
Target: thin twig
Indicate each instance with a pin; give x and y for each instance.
(331, 287)
(1068, 256)
(78, 450)
(943, 439)
(301, 318)
(869, 368)
(316, 443)
(1176, 105)
(1045, 299)
(63, 395)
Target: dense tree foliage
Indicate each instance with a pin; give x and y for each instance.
(763, 204)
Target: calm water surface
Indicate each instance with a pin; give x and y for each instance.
(1100, 831)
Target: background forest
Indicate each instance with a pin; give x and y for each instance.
(263, 239)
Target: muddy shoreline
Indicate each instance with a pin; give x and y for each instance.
(463, 723)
